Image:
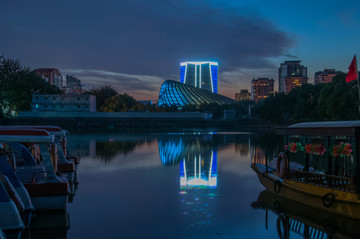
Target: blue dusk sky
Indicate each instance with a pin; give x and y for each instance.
(135, 45)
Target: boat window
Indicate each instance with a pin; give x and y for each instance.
(22, 154)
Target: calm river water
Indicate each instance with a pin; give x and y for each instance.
(174, 185)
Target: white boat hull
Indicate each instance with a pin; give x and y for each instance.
(10, 219)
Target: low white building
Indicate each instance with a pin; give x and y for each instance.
(61, 103)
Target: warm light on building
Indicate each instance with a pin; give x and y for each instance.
(293, 82)
(325, 76)
(243, 95)
(290, 71)
(261, 88)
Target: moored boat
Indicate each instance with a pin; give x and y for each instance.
(10, 220)
(64, 165)
(320, 167)
(47, 190)
(304, 220)
(9, 172)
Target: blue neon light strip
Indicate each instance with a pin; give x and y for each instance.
(214, 164)
(182, 74)
(214, 73)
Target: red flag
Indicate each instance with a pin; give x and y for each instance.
(353, 73)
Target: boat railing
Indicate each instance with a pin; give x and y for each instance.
(306, 230)
(329, 181)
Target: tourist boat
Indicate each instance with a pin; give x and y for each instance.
(304, 220)
(47, 190)
(8, 171)
(319, 168)
(10, 220)
(64, 165)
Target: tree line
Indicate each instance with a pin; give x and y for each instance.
(337, 100)
(17, 85)
(333, 101)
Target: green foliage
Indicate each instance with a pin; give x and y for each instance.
(119, 103)
(333, 101)
(339, 100)
(102, 94)
(18, 84)
(274, 109)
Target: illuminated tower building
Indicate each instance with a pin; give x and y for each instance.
(291, 74)
(201, 74)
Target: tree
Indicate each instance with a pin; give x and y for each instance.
(339, 100)
(102, 94)
(18, 84)
(304, 102)
(118, 103)
(275, 109)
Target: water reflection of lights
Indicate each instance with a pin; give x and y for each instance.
(199, 171)
(170, 151)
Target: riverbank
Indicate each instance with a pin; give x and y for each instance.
(136, 124)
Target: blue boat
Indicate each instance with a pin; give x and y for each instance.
(9, 172)
(47, 190)
(10, 220)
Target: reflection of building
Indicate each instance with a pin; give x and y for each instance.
(174, 93)
(203, 75)
(199, 170)
(243, 95)
(51, 75)
(259, 156)
(325, 76)
(242, 148)
(171, 151)
(261, 88)
(197, 158)
(74, 103)
(291, 75)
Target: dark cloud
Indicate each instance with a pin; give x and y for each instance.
(132, 36)
(137, 37)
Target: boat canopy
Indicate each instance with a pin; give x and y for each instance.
(55, 130)
(327, 128)
(25, 135)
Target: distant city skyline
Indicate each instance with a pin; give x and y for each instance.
(135, 46)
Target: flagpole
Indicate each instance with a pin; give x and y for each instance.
(358, 83)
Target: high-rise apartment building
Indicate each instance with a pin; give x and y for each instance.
(261, 88)
(293, 82)
(73, 85)
(51, 75)
(324, 76)
(293, 73)
(243, 95)
(201, 74)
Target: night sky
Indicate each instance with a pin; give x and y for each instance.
(136, 45)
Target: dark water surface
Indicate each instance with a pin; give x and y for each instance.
(169, 186)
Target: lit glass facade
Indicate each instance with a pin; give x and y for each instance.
(203, 75)
(174, 93)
